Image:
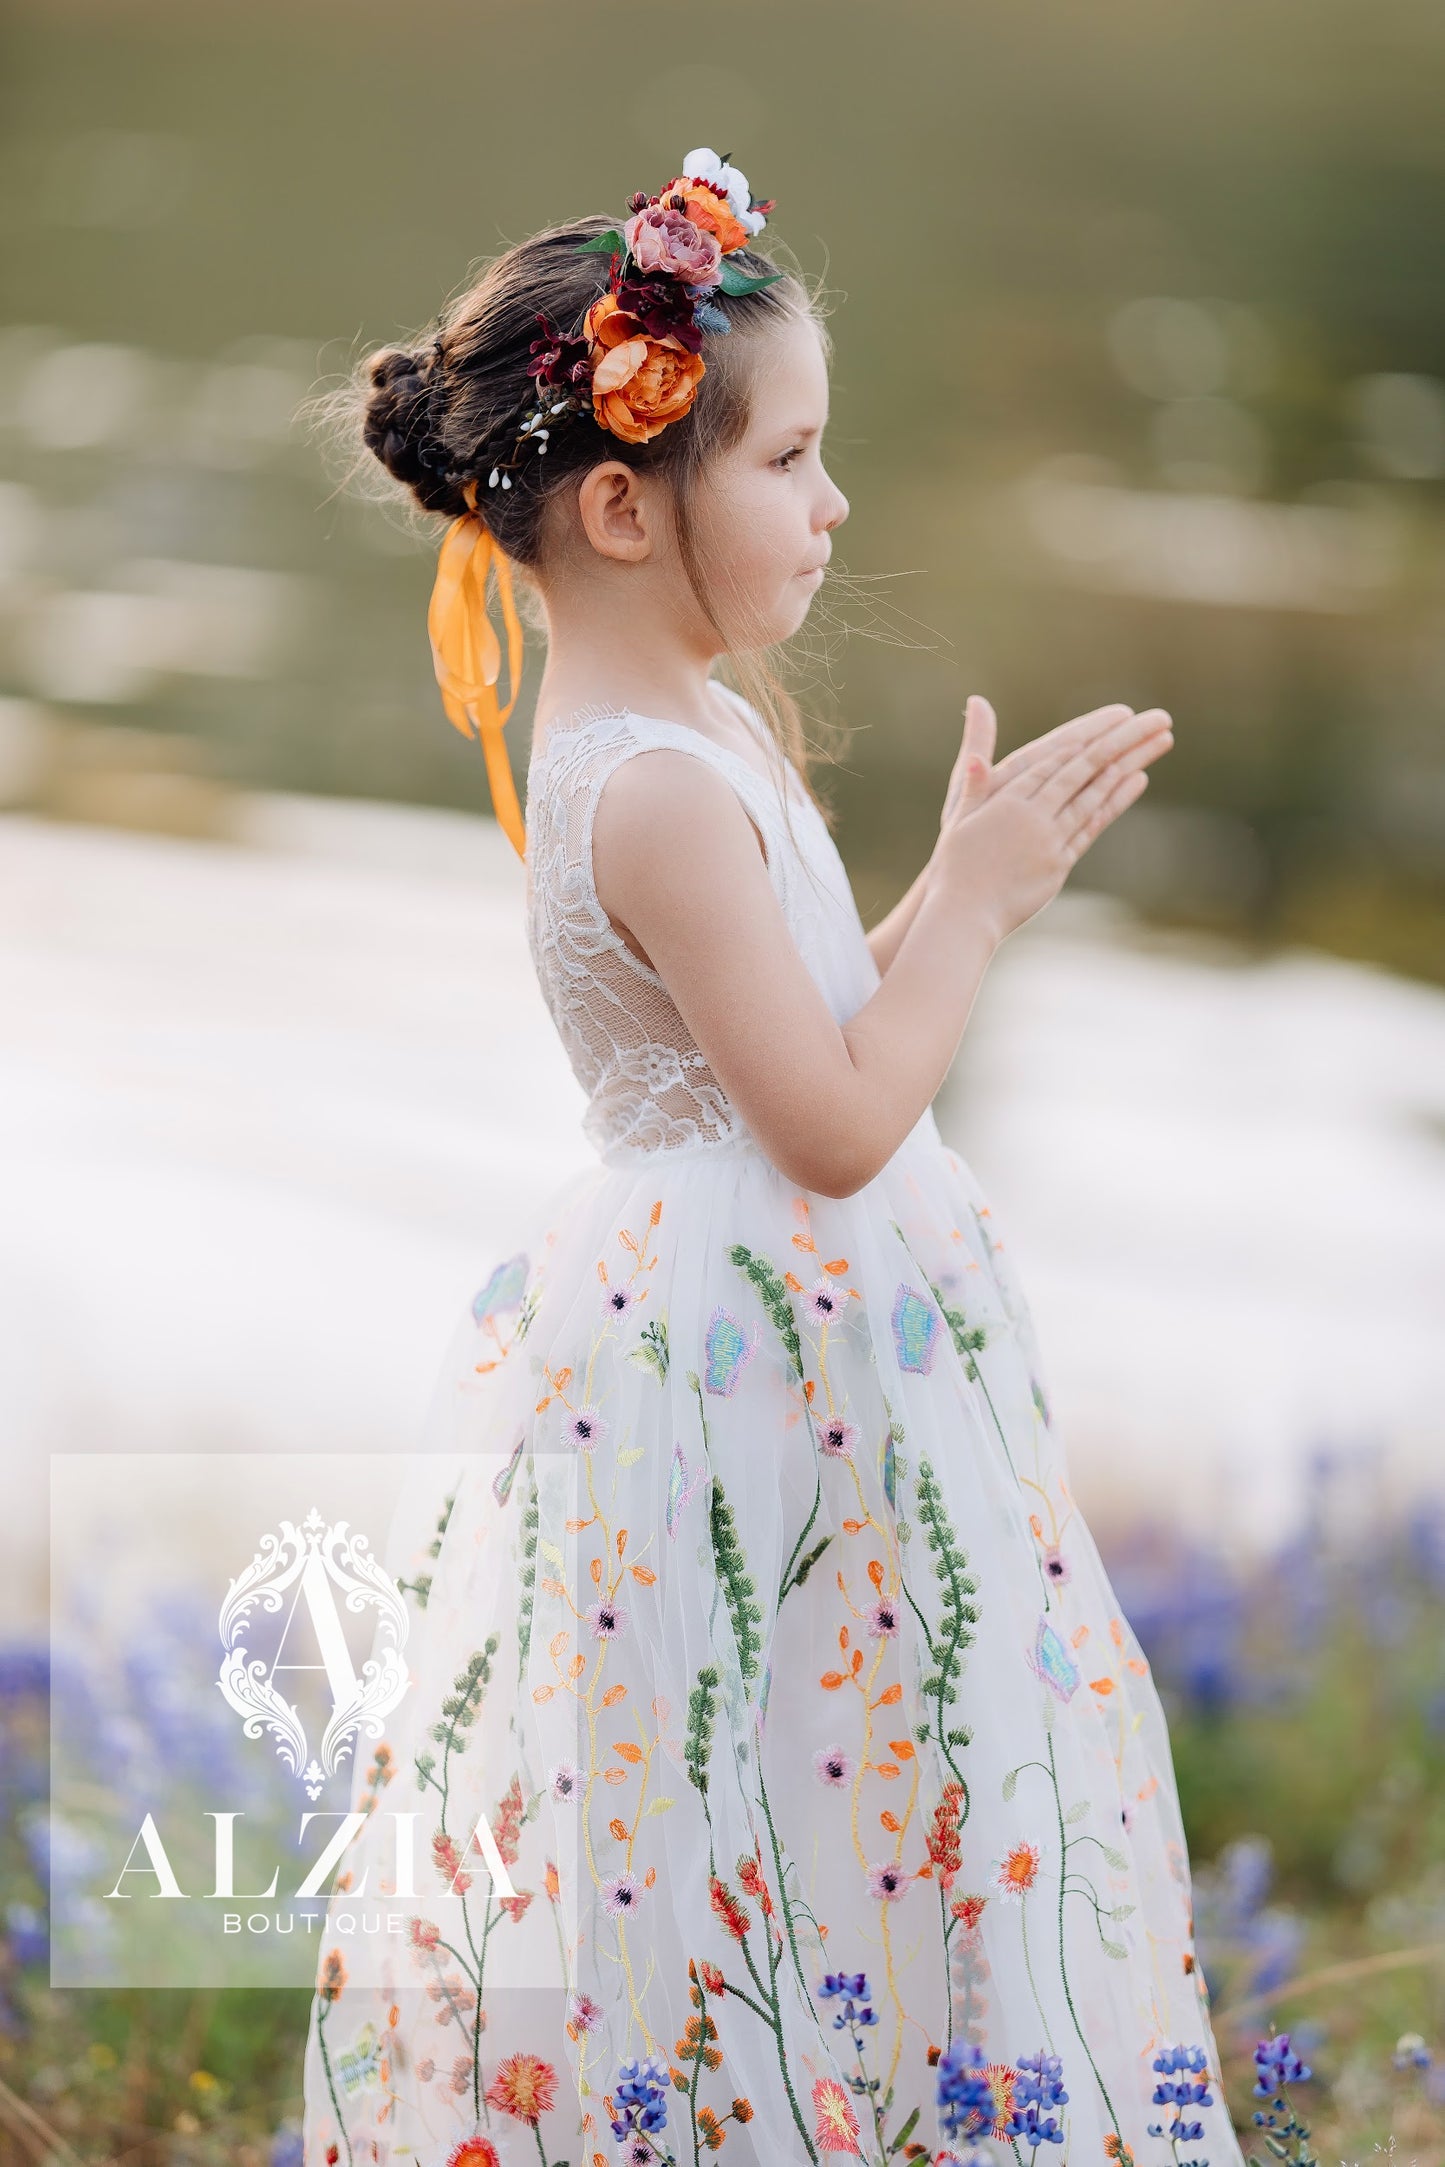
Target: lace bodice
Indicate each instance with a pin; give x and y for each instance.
(649, 1087)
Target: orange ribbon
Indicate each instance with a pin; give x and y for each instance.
(467, 655)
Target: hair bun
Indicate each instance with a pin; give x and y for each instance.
(397, 425)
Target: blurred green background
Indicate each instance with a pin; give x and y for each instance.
(1138, 395)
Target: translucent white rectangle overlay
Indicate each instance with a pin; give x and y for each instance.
(281, 1722)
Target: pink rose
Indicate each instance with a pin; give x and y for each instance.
(667, 242)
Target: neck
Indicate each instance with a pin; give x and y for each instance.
(620, 645)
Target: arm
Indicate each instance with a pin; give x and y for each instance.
(883, 938)
(679, 865)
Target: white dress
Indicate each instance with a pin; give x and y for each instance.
(765, 1644)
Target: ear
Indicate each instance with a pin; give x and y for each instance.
(618, 512)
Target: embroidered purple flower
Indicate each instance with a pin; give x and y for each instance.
(837, 1439)
(606, 1619)
(883, 1620)
(639, 2106)
(887, 1882)
(965, 2095)
(586, 1429)
(833, 1767)
(584, 2013)
(1038, 2088)
(565, 1782)
(617, 1300)
(621, 1895)
(1186, 2065)
(852, 1989)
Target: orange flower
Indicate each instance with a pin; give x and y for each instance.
(474, 2152)
(524, 2086)
(639, 383)
(710, 212)
(333, 1976)
(835, 2125)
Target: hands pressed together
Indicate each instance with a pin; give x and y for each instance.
(1011, 834)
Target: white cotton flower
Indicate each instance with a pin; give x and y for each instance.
(705, 165)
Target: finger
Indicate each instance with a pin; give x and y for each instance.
(1079, 809)
(1077, 732)
(1117, 801)
(1059, 778)
(980, 728)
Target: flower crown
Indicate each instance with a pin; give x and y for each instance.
(638, 363)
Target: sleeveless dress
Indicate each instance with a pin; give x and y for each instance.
(774, 1730)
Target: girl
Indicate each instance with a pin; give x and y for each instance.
(785, 1773)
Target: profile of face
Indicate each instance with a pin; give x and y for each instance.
(766, 509)
(762, 513)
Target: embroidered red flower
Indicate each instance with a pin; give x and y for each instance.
(525, 2086)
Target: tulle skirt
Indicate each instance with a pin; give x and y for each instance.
(776, 1756)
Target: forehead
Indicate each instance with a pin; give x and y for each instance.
(790, 385)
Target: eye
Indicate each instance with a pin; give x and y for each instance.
(785, 461)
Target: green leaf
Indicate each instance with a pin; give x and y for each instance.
(734, 281)
(552, 1554)
(660, 1805)
(1113, 1948)
(631, 1456)
(1010, 1783)
(906, 2132)
(1077, 1811)
(610, 243)
(1116, 1858)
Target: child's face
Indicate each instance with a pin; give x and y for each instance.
(767, 508)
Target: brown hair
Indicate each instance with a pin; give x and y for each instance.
(443, 411)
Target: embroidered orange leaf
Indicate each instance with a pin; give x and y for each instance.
(843, 1638)
(809, 1387)
(1037, 1525)
(889, 1697)
(857, 1661)
(619, 1830)
(614, 1775)
(628, 1241)
(837, 1268)
(628, 1751)
(891, 1822)
(557, 1643)
(575, 1527)
(1077, 1639)
(662, 1709)
(888, 1770)
(649, 1879)
(656, 1212)
(621, 1540)
(854, 1527)
(644, 1576)
(792, 1283)
(1140, 1669)
(595, 1568)
(804, 1241)
(613, 1695)
(875, 1572)
(577, 1665)
(541, 1692)
(602, 1268)
(553, 1587)
(1101, 1685)
(903, 1747)
(1117, 1632)
(831, 1680)
(842, 1585)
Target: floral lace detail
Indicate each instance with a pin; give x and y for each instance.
(649, 1087)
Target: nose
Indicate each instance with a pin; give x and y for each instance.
(838, 512)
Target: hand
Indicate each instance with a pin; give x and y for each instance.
(1011, 834)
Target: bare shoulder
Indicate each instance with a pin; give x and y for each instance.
(664, 809)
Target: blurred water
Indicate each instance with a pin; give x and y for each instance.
(271, 1109)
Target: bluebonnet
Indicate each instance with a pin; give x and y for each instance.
(639, 2099)
(287, 2149)
(965, 2096)
(1038, 2086)
(1278, 2066)
(852, 1988)
(1186, 2066)
(1411, 2052)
